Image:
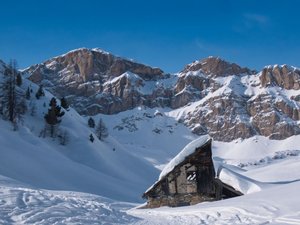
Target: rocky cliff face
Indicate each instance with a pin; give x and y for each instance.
(243, 105)
(282, 76)
(95, 81)
(215, 66)
(209, 96)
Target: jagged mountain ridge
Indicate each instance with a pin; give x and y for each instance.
(210, 96)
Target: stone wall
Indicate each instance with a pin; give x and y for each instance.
(177, 200)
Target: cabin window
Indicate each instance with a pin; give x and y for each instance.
(191, 176)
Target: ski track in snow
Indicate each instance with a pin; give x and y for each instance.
(28, 206)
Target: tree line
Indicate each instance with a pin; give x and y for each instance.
(13, 106)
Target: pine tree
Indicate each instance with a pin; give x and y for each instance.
(92, 138)
(101, 130)
(53, 116)
(40, 92)
(64, 103)
(28, 93)
(13, 104)
(91, 122)
(19, 79)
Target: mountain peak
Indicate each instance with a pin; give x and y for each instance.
(84, 64)
(217, 67)
(84, 49)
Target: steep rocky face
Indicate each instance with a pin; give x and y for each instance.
(282, 76)
(241, 107)
(209, 96)
(223, 117)
(93, 80)
(215, 66)
(198, 78)
(84, 65)
(274, 118)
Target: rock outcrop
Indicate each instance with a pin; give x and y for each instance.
(215, 66)
(283, 76)
(212, 96)
(95, 81)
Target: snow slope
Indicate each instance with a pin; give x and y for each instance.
(43, 182)
(277, 205)
(78, 166)
(22, 205)
(271, 188)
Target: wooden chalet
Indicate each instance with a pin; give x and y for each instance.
(189, 178)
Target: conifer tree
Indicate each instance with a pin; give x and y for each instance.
(27, 93)
(91, 122)
(19, 79)
(64, 103)
(101, 130)
(40, 92)
(53, 116)
(12, 104)
(92, 138)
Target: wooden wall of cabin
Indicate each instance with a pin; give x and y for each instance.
(179, 182)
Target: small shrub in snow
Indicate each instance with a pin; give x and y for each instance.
(92, 138)
(157, 130)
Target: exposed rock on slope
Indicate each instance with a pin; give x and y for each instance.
(282, 76)
(215, 66)
(240, 106)
(93, 80)
(84, 64)
(209, 96)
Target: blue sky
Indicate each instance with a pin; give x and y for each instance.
(166, 34)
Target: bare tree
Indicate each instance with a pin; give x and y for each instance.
(13, 104)
(101, 130)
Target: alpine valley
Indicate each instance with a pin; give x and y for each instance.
(150, 115)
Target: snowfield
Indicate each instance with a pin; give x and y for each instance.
(43, 182)
(278, 205)
(22, 205)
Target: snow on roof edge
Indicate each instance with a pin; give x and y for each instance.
(180, 157)
(186, 151)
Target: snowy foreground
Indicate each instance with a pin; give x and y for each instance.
(20, 205)
(271, 179)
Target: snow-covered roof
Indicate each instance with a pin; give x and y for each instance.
(186, 151)
(181, 156)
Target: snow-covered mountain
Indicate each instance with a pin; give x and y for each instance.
(84, 182)
(211, 95)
